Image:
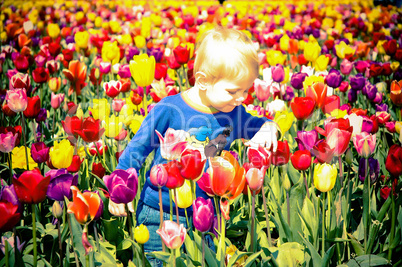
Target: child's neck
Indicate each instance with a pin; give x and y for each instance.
(197, 96)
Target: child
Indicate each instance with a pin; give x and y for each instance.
(211, 113)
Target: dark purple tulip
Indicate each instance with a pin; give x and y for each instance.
(306, 139)
(308, 30)
(381, 107)
(316, 33)
(367, 125)
(156, 52)
(297, 80)
(8, 194)
(398, 74)
(215, 227)
(374, 169)
(203, 214)
(357, 82)
(289, 95)
(324, 50)
(334, 78)
(100, 209)
(131, 51)
(122, 185)
(352, 96)
(40, 152)
(378, 98)
(35, 41)
(361, 66)
(60, 182)
(370, 91)
(124, 71)
(42, 116)
(278, 73)
(297, 33)
(70, 40)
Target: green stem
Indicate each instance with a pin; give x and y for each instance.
(288, 204)
(173, 257)
(54, 122)
(60, 244)
(188, 223)
(266, 216)
(35, 247)
(72, 239)
(25, 138)
(6, 252)
(96, 237)
(216, 201)
(329, 212)
(144, 101)
(102, 159)
(203, 250)
(130, 228)
(143, 255)
(393, 218)
(305, 183)
(223, 241)
(192, 185)
(179, 79)
(340, 170)
(323, 226)
(176, 205)
(87, 260)
(171, 204)
(252, 220)
(10, 164)
(161, 215)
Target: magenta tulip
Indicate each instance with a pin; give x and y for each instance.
(203, 214)
(364, 143)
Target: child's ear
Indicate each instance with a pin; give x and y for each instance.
(201, 80)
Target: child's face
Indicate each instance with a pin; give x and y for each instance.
(225, 95)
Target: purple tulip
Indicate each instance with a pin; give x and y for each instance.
(308, 30)
(7, 142)
(70, 39)
(398, 74)
(334, 78)
(131, 51)
(306, 139)
(203, 214)
(60, 182)
(124, 71)
(278, 73)
(122, 185)
(381, 107)
(374, 169)
(316, 33)
(370, 91)
(352, 96)
(7, 193)
(100, 209)
(378, 98)
(289, 94)
(40, 152)
(297, 80)
(357, 82)
(367, 125)
(42, 116)
(156, 52)
(297, 33)
(346, 67)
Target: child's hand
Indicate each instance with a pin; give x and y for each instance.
(265, 137)
(120, 209)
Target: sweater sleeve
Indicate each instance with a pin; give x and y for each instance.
(145, 140)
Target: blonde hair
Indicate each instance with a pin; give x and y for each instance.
(226, 53)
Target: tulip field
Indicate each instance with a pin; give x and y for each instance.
(78, 78)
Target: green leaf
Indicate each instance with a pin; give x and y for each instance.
(328, 255)
(163, 256)
(367, 260)
(236, 256)
(189, 244)
(210, 256)
(356, 245)
(250, 260)
(317, 260)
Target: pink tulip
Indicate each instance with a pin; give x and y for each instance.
(56, 100)
(158, 175)
(346, 67)
(255, 179)
(278, 73)
(105, 67)
(172, 234)
(261, 89)
(7, 142)
(117, 104)
(17, 100)
(173, 144)
(364, 143)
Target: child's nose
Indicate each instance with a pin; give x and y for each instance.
(240, 99)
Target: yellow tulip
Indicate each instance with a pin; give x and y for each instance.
(337, 113)
(156, 19)
(142, 69)
(114, 26)
(284, 119)
(141, 234)
(19, 158)
(79, 15)
(125, 39)
(139, 41)
(275, 57)
(81, 39)
(312, 79)
(135, 123)
(321, 63)
(311, 51)
(184, 196)
(398, 126)
(91, 16)
(110, 52)
(54, 84)
(380, 47)
(325, 177)
(98, 22)
(343, 49)
(146, 27)
(100, 109)
(53, 30)
(112, 125)
(284, 42)
(287, 75)
(395, 65)
(61, 154)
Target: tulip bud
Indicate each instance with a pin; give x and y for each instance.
(349, 156)
(97, 74)
(57, 210)
(286, 183)
(366, 151)
(141, 234)
(225, 208)
(158, 175)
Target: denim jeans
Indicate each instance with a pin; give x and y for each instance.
(150, 218)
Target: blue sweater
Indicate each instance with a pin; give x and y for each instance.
(209, 131)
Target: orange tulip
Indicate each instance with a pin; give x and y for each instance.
(293, 46)
(84, 205)
(227, 177)
(318, 92)
(76, 74)
(396, 92)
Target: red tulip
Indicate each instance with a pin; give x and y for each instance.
(175, 179)
(390, 47)
(20, 80)
(91, 130)
(301, 160)
(112, 88)
(330, 103)
(393, 163)
(338, 140)
(125, 85)
(9, 216)
(396, 92)
(191, 164)
(15, 130)
(99, 145)
(318, 92)
(205, 184)
(160, 71)
(98, 169)
(76, 74)
(302, 107)
(260, 157)
(95, 76)
(31, 187)
(281, 156)
(323, 152)
(173, 64)
(33, 107)
(75, 164)
(40, 75)
(84, 205)
(181, 54)
(71, 125)
(21, 63)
